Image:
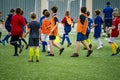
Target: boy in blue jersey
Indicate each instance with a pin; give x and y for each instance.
(108, 10)
(90, 23)
(67, 22)
(8, 26)
(98, 28)
(44, 43)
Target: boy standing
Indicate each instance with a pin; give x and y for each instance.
(81, 32)
(54, 32)
(33, 30)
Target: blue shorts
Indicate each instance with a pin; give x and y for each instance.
(52, 37)
(108, 22)
(81, 37)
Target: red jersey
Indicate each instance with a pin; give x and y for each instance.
(115, 32)
(17, 22)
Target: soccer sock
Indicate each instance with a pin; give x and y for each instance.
(67, 38)
(43, 46)
(88, 41)
(24, 41)
(116, 46)
(16, 49)
(48, 46)
(31, 53)
(37, 53)
(6, 37)
(63, 39)
(113, 48)
(19, 42)
(0, 35)
(99, 42)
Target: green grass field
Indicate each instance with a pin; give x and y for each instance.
(99, 66)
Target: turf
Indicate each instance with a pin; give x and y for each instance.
(99, 66)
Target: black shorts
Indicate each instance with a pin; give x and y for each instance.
(52, 37)
(14, 39)
(33, 42)
(108, 22)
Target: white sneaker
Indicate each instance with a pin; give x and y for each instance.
(100, 47)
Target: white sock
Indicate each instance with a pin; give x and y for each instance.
(99, 42)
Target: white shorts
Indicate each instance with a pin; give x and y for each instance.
(44, 37)
(111, 39)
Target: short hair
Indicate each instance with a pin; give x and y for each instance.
(67, 13)
(22, 12)
(97, 11)
(54, 9)
(83, 9)
(44, 11)
(47, 14)
(108, 3)
(88, 13)
(18, 10)
(12, 10)
(33, 15)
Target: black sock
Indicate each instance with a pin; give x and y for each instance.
(24, 40)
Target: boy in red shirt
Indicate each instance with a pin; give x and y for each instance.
(16, 32)
(114, 34)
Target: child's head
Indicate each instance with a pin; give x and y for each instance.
(54, 9)
(115, 14)
(83, 9)
(33, 15)
(67, 13)
(12, 11)
(47, 14)
(97, 12)
(88, 13)
(18, 10)
(44, 11)
(107, 3)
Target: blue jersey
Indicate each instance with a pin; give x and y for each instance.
(41, 19)
(7, 23)
(97, 30)
(108, 12)
(90, 21)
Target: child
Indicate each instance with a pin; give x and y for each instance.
(114, 34)
(67, 22)
(16, 31)
(90, 23)
(54, 32)
(45, 29)
(43, 42)
(1, 25)
(8, 26)
(81, 32)
(98, 28)
(33, 29)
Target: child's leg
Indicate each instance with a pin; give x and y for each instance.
(51, 46)
(68, 39)
(113, 48)
(85, 44)
(99, 42)
(63, 39)
(0, 35)
(25, 42)
(31, 53)
(37, 54)
(77, 47)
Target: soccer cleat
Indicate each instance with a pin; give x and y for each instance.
(113, 54)
(117, 50)
(100, 47)
(89, 53)
(3, 43)
(30, 60)
(16, 55)
(90, 46)
(37, 60)
(61, 43)
(27, 46)
(69, 45)
(61, 50)
(50, 54)
(75, 55)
